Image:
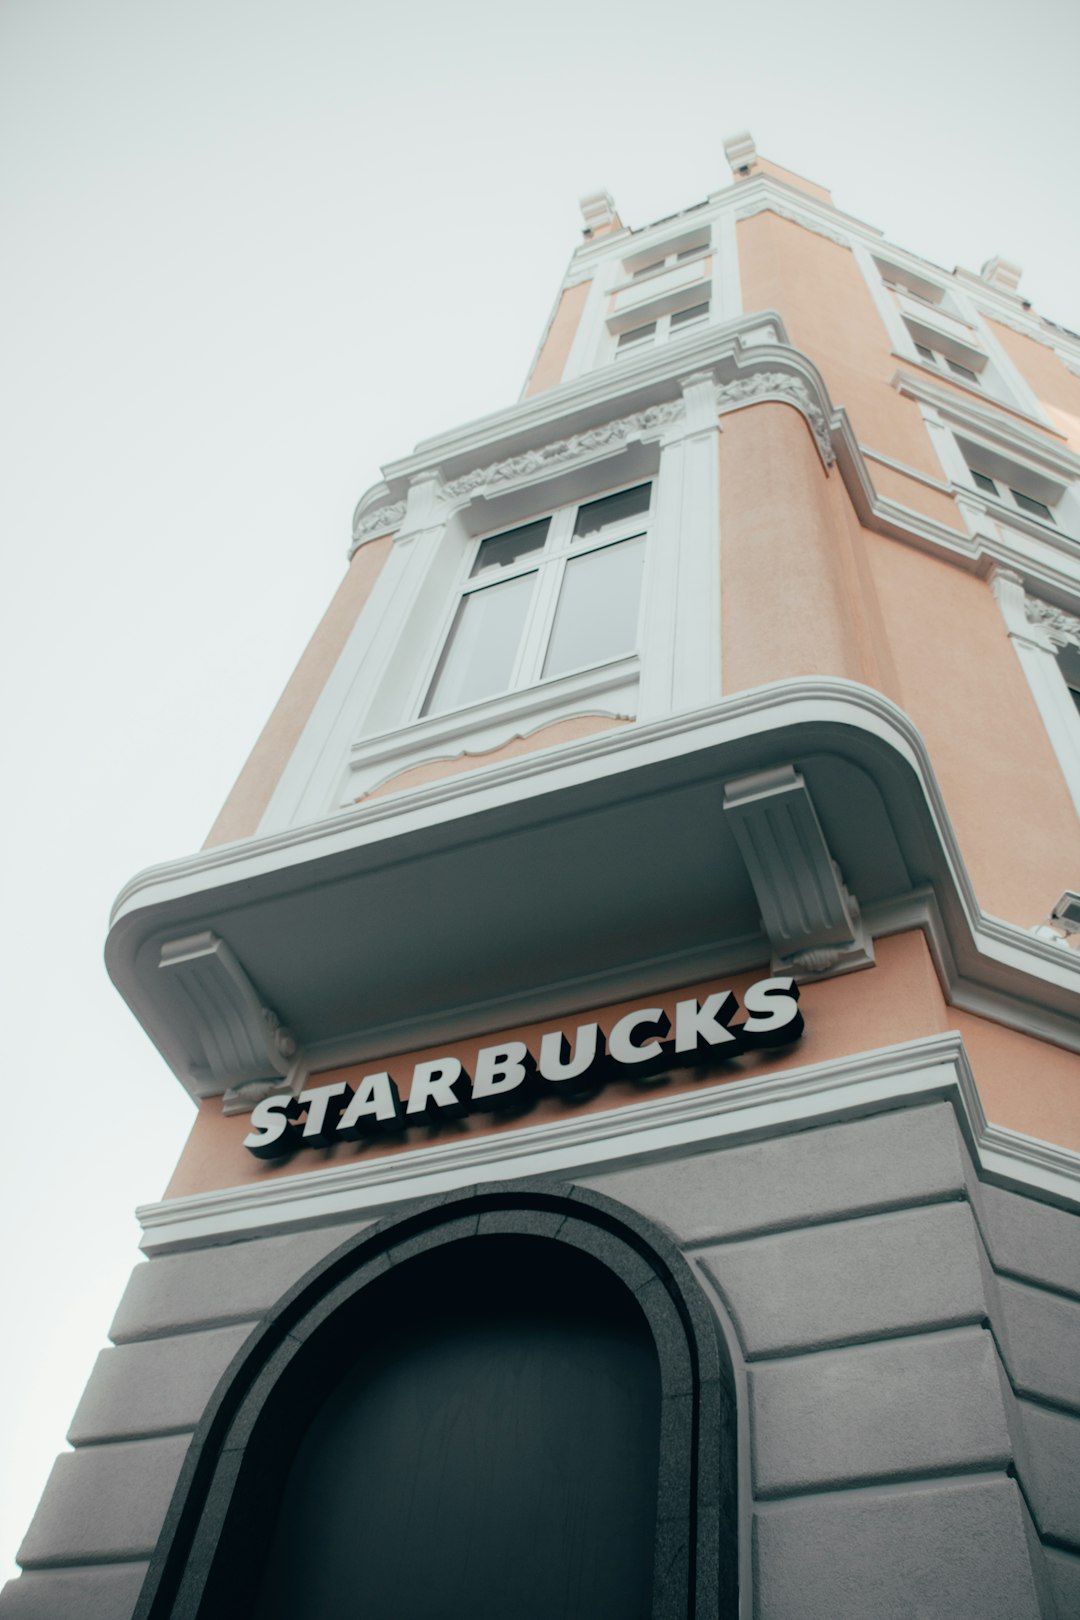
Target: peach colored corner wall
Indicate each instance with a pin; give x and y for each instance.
(1029, 1085)
(808, 591)
(1052, 383)
(559, 731)
(967, 694)
(246, 804)
(551, 361)
(795, 599)
(820, 291)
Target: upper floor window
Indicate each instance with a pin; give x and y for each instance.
(664, 261)
(1013, 483)
(908, 283)
(1025, 503)
(542, 600)
(948, 351)
(663, 326)
(934, 357)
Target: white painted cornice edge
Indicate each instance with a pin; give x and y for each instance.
(990, 966)
(930, 1069)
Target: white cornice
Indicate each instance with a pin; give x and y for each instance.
(921, 1071)
(750, 360)
(333, 868)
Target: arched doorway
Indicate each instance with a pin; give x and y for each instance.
(491, 1450)
(512, 1402)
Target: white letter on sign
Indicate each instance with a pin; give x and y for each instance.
(697, 1027)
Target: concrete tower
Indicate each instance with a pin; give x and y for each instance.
(628, 998)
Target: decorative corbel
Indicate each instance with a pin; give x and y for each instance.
(236, 1045)
(811, 919)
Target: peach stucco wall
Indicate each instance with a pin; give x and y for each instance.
(795, 596)
(551, 361)
(819, 290)
(808, 591)
(1027, 1084)
(1055, 386)
(560, 731)
(244, 808)
(1003, 786)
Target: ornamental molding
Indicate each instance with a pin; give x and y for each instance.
(230, 1038)
(383, 520)
(811, 918)
(1062, 628)
(561, 451)
(780, 385)
(768, 205)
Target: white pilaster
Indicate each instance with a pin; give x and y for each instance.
(681, 658)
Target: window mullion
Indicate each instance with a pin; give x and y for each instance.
(535, 640)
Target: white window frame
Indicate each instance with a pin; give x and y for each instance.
(662, 328)
(1040, 633)
(359, 734)
(959, 331)
(549, 563)
(1012, 475)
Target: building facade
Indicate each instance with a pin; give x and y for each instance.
(629, 997)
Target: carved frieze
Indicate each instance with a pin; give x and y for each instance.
(780, 384)
(531, 462)
(382, 521)
(1062, 628)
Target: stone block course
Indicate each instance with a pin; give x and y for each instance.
(847, 1280)
(104, 1503)
(945, 1549)
(154, 1387)
(870, 1412)
(1053, 1460)
(1041, 1338)
(235, 1282)
(1030, 1239)
(97, 1592)
(908, 1156)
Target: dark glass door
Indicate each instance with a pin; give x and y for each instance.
(487, 1450)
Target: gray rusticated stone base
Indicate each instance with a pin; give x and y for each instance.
(911, 1156)
(954, 1550)
(237, 1282)
(104, 1503)
(924, 1405)
(109, 1593)
(158, 1386)
(854, 1260)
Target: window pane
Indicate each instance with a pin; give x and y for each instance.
(597, 613)
(478, 658)
(687, 317)
(688, 253)
(962, 371)
(500, 550)
(1028, 503)
(927, 354)
(640, 334)
(981, 481)
(646, 269)
(596, 515)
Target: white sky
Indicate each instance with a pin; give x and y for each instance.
(253, 248)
